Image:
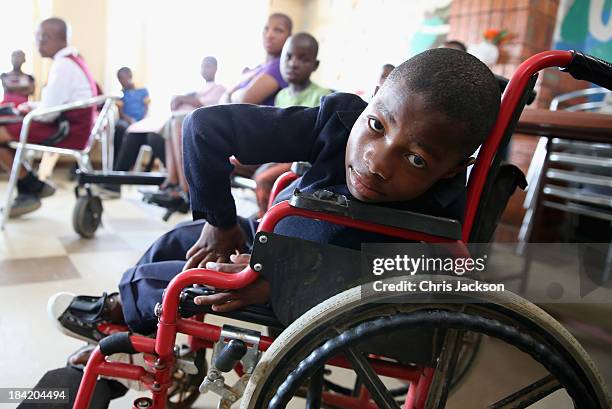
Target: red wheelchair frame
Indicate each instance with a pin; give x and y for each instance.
(203, 335)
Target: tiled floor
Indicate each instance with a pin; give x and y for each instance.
(40, 254)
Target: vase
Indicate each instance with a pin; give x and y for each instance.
(486, 52)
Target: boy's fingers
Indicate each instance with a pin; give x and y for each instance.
(228, 306)
(240, 258)
(195, 259)
(222, 259)
(192, 250)
(207, 258)
(213, 299)
(225, 267)
(191, 263)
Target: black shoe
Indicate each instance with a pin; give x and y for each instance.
(31, 185)
(23, 204)
(173, 202)
(82, 317)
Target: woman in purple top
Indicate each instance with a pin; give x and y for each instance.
(260, 85)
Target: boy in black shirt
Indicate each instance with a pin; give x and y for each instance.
(408, 149)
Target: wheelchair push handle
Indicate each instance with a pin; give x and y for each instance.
(588, 68)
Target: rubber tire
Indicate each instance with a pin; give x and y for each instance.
(87, 216)
(505, 304)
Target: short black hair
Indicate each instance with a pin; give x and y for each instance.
(123, 69)
(313, 43)
(285, 17)
(210, 59)
(457, 84)
(455, 43)
(60, 26)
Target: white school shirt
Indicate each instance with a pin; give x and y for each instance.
(66, 83)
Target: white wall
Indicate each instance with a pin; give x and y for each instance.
(166, 42)
(357, 37)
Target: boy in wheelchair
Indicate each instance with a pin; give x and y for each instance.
(407, 149)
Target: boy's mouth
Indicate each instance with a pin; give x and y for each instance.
(363, 187)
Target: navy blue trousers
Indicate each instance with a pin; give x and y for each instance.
(141, 286)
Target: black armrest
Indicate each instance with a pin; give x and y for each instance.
(328, 202)
(120, 178)
(258, 314)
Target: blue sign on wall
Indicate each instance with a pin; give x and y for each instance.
(585, 25)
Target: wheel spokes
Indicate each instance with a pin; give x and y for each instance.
(438, 392)
(370, 380)
(315, 390)
(528, 395)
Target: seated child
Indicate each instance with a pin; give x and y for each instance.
(133, 107)
(210, 93)
(407, 149)
(17, 85)
(298, 62)
(175, 188)
(135, 101)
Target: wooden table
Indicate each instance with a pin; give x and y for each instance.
(584, 126)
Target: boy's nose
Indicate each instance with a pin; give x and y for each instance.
(378, 164)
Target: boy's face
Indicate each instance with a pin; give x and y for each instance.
(298, 60)
(398, 148)
(208, 70)
(125, 79)
(49, 40)
(275, 34)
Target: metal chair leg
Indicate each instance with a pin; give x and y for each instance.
(8, 200)
(535, 175)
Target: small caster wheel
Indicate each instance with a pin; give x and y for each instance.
(87, 215)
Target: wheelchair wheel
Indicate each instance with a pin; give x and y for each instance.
(184, 390)
(338, 326)
(470, 350)
(87, 215)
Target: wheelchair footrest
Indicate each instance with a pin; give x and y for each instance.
(257, 314)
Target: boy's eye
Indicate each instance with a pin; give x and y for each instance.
(416, 161)
(376, 125)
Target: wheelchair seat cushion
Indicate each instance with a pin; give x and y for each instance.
(70, 131)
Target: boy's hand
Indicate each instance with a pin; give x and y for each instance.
(215, 244)
(24, 108)
(176, 102)
(256, 293)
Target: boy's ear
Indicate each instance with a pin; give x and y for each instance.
(459, 168)
(316, 65)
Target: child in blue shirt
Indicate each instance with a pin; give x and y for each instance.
(135, 101)
(407, 149)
